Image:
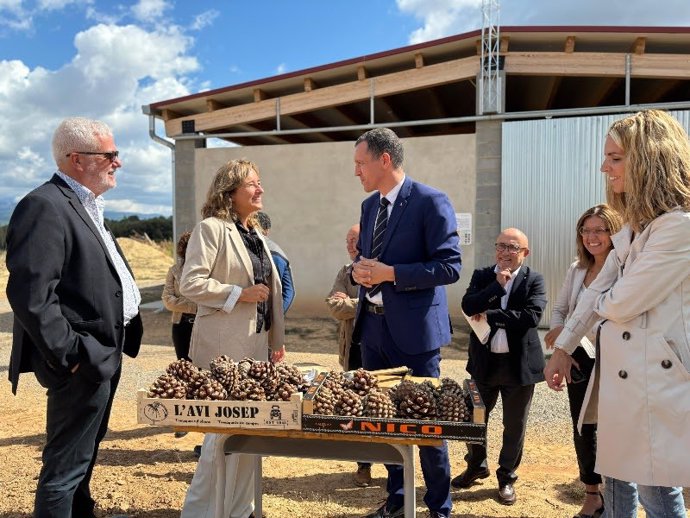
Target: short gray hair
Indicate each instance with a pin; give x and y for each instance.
(383, 140)
(78, 134)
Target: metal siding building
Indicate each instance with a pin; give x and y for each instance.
(550, 175)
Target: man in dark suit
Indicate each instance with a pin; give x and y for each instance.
(512, 298)
(76, 309)
(408, 250)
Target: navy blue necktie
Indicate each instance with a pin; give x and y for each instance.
(379, 233)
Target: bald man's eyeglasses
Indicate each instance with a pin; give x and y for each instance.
(504, 247)
(110, 155)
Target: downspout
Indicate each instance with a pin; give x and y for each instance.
(146, 109)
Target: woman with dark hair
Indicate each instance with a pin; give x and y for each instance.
(639, 394)
(229, 274)
(593, 238)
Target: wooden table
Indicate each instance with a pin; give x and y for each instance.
(314, 445)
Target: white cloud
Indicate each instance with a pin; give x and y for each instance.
(280, 69)
(446, 17)
(114, 71)
(204, 19)
(149, 10)
(54, 5)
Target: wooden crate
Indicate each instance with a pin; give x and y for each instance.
(276, 415)
(473, 431)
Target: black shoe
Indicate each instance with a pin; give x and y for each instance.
(197, 451)
(436, 514)
(506, 494)
(385, 512)
(465, 479)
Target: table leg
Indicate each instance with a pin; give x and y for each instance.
(407, 454)
(258, 490)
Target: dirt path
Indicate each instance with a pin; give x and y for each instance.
(144, 471)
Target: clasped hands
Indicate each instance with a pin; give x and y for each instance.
(370, 272)
(255, 293)
(557, 370)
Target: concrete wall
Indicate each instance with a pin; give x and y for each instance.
(313, 197)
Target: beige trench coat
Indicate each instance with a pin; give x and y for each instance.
(216, 261)
(642, 377)
(344, 311)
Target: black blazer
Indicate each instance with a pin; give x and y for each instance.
(64, 291)
(523, 312)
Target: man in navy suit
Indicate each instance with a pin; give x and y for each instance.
(511, 297)
(408, 251)
(76, 310)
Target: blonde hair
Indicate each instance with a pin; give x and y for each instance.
(657, 167)
(227, 179)
(613, 223)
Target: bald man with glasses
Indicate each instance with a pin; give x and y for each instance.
(76, 310)
(511, 297)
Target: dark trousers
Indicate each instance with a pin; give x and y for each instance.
(379, 352)
(77, 420)
(585, 443)
(182, 336)
(516, 399)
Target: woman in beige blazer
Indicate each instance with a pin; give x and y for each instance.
(593, 239)
(229, 274)
(640, 392)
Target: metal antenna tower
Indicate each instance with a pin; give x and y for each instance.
(490, 94)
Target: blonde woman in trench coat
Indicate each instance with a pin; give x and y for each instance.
(640, 392)
(229, 274)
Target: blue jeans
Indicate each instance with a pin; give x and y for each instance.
(621, 498)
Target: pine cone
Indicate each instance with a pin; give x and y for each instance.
(452, 407)
(265, 373)
(402, 391)
(226, 371)
(292, 375)
(324, 401)
(168, 386)
(283, 393)
(336, 382)
(349, 403)
(379, 404)
(450, 386)
(182, 369)
(419, 404)
(247, 389)
(363, 382)
(208, 388)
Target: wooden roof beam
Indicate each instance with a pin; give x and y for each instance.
(657, 92)
(168, 114)
(639, 45)
(259, 95)
(418, 60)
(598, 92)
(603, 64)
(294, 123)
(362, 73)
(569, 45)
(309, 84)
(504, 44)
(213, 105)
(333, 96)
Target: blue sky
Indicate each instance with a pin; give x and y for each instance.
(105, 59)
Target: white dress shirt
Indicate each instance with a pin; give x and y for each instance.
(499, 342)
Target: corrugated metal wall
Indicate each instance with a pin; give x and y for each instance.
(550, 175)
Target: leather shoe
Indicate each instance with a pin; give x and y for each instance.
(385, 512)
(465, 479)
(435, 514)
(363, 476)
(506, 494)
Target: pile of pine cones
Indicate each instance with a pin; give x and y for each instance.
(248, 379)
(360, 396)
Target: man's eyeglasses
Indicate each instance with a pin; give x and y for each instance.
(110, 155)
(592, 231)
(504, 247)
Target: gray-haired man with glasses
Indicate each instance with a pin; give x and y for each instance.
(76, 310)
(511, 297)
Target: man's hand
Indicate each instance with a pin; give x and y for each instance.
(558, 369)
(550, 338)
(255, 293)
(503, 277)
(369, 272)
(339, 295)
